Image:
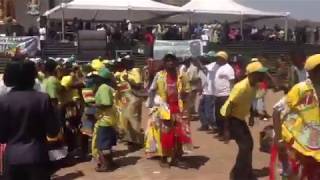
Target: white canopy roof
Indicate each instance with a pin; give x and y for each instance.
(112, 10)
(209, 10)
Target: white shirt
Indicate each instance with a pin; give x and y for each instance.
(182, 69)
(208, 84)
(42, 32)
(219, 78)
(204, 83)
(302, 74)
(193, 76)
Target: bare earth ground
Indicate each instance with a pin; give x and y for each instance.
(211, 159)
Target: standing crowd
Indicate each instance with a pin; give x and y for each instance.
(53, 112)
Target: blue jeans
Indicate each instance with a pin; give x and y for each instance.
(207, 111)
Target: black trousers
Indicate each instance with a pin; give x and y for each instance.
(242, 170)
(27, 172)
(219, 102)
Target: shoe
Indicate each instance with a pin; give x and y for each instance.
(266, 115)
(101, 169)
(203, 128)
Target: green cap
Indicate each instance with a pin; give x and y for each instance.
(105, 73)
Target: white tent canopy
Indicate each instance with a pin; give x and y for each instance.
(208, 10)
(112, 10)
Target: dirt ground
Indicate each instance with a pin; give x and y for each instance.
(210, 160)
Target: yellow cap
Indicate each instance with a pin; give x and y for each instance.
(312, 62)
(97, 65)
(223, 55)
(66, 81)
(255, 67)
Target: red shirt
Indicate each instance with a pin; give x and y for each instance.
(172, 94)
(149, 39)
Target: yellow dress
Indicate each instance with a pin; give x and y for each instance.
(301, 124)
(152, 143)
(161, 112)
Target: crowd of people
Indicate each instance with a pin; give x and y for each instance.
(51, 110)
(69, 105)
(216, 32)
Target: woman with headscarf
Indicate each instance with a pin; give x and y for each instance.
(172, 88)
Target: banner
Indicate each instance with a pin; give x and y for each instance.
(191, 48)
(28, 45)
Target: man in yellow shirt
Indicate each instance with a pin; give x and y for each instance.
(235, 110)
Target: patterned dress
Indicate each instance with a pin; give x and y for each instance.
(172, 129)
(300, 114)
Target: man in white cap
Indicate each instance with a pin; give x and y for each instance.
(220, 77)
(223, 80)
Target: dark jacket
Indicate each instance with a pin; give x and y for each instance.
(26, 118)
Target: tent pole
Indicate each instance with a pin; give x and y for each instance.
(286, 28)
(241, 26)
(62, 22)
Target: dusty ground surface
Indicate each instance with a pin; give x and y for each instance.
(211, 159)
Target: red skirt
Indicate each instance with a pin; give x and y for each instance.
(174, 133)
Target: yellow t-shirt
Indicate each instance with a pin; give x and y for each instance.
(240, 99)
(106, 115)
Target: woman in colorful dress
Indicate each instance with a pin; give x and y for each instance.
(130, 104)
(172, 88)
(88, 115)
(297, 127)
(104, 134)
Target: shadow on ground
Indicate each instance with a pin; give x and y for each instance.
(259, 173)
(127, 161)
(70, 176)
(65, 163)
(195, 162)
(120, 153)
